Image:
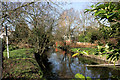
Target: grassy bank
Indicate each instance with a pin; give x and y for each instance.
(90, 53)
(88, 50)
(21, 65)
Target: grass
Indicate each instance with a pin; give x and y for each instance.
(89, 50)
(21, 68)
(19, 53)
(21, 65)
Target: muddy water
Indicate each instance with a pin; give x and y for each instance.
(64, 66)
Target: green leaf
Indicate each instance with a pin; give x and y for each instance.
(86, 10)
(84, 52)
(88, 78)
(97, 4)
(92, 6)
(115, 58)
(78, 75)
(99, 12)
(110, 15)
(100, 6)
(109, 56)
(75, 54)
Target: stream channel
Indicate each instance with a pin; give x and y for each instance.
(67, 66)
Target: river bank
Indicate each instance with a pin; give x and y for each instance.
(101, 59)
(20, 65)
(66, 66)
(87, 47)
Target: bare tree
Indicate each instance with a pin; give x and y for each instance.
(67, 24)
(87, 20)
(38, 16)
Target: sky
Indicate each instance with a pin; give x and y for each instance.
(78, 5)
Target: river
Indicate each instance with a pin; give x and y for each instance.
(67, 66)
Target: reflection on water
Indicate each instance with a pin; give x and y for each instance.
(67, 67)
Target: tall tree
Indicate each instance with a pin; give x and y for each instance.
(38, 16)
(67, 23)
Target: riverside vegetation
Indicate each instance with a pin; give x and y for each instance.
(34, 29)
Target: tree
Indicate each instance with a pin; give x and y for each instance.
(21, 34)
(67, 24)
(87, 24)
(109, 11)
(38, 16)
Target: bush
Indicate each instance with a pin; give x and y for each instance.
(91, 35)
(81, 38)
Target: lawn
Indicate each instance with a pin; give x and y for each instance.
(21, 65)
(19, 53)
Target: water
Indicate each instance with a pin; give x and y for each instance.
(67, 67)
